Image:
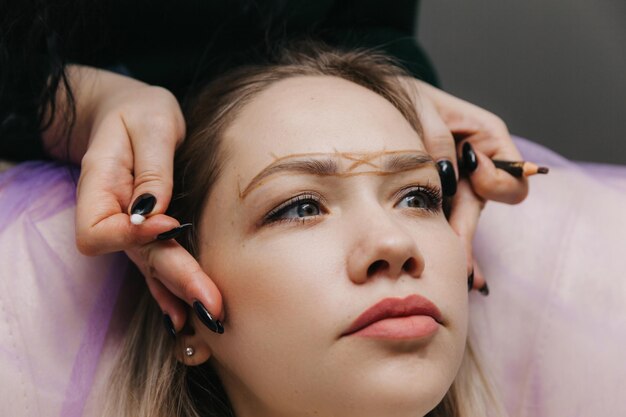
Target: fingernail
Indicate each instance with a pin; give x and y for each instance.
(470, 162)
(143, 205)
(169, 326)
(206, 318)
(484, 290)
(448, 180)
(470, 281)
(174, 233)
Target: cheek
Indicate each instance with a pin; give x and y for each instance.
(275, 295)
(280, 277)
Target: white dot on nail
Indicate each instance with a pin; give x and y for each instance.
(137, 219)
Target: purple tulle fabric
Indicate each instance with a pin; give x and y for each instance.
(55, 304)
(552, 331)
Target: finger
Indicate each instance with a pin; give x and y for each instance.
(181, 274)
(439, 143)
(116, 233)
(168, 302)
(487, 133)
(103, 193)
(154, 142)
(465, 212)
(480, 283)
(495, 184)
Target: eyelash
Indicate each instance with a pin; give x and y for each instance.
(274, 215)
(432, 193)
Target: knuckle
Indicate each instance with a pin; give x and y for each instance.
(520, 195)
(147, 255)
(89, 160)
(500, 189)
(85, 245)
(165, 113)
(188, 285)
(162, 122)
(486, 186)
(496, 124)
(152, 176)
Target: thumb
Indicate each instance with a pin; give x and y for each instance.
(153, 171)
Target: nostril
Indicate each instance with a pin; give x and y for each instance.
(410, 266)
(377, 266)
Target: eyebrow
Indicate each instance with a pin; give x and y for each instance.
(326, 165)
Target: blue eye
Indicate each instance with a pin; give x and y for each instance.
(299, 208)
(414, 201)
(420, 197)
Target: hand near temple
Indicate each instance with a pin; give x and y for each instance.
(124, 138)
(449, 123)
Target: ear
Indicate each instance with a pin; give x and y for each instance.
(189, 338)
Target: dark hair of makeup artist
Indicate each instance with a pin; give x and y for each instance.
(148, 380)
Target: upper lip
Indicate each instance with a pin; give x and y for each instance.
(413, 305)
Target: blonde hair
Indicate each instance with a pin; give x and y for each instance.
(147, 380)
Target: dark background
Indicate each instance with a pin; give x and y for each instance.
(554, 70)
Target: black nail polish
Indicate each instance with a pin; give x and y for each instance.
(484, 290)
(206, 318)
(470, 162)
(174, 233)
(448, 179)
(169, 326)
(143, 205)
(470, 281)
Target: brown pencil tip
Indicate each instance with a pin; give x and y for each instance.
(543, 170)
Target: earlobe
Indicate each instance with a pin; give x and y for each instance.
(191, 348)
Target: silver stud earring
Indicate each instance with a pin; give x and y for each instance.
(189, 351)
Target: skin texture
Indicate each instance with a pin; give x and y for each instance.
(293, 286)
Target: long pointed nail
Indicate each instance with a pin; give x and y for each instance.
(470, 162)
(446, 174)
(174, 233)
(144, 204)
(484, 290)
(470, 281)
(169, 326)
(206, 318)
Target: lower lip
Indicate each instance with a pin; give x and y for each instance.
(409, 327)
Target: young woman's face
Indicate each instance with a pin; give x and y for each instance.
(328, 205)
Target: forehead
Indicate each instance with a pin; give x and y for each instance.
(309, 115)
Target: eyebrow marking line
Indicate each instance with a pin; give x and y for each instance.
(397, 162)
(359, 160)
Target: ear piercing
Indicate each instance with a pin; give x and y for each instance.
(189, 351)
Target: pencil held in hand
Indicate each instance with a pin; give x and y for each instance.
(520, 168)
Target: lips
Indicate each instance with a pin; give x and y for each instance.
(389, 308)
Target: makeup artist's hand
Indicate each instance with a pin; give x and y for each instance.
(125, 136)
(449, 123)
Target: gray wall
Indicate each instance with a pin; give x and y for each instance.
(554, 70)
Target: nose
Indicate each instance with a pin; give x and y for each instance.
(383, 248)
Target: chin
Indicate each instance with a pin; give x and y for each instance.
(408, 392)
(382, 403)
